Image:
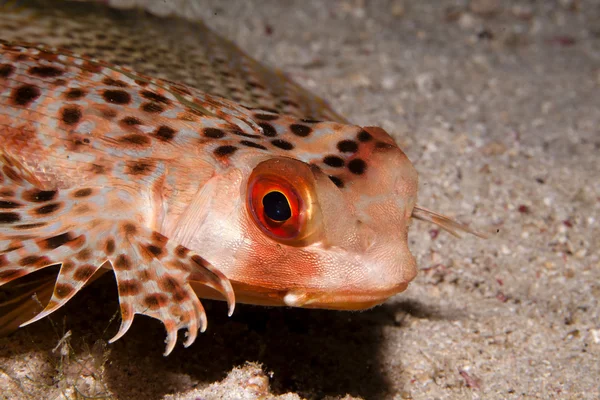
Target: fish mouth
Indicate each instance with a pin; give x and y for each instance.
(348, 299)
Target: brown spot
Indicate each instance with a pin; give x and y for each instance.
(131, 121)
(248, 143)
(334, 161)
(384, 146)
(30, 226)
(142, 167)
(282, 144)
(180, 295)
(364, 136)
(7, 204)
(168, 284)
(12, 174)
(164, 133)
(357, 166)
(129, 228)
(199, 260)
(155, 301)
(156, 251)
(84, 255)
(135, 139)
(240, 133)
(159, 98)
(82, 193)
(268, 129)
(347, 146)
(67, 267)
(46, 71)
(24, 95)
(116, 96)
(92, 67)
(34, 261)
(39, 196)
(213, 133)
(122, 262)
(74, 94)
(159, 238)
(144, 275)
(63, 290)
(12, 274)
(54, 242)
(9, 218)
(114, 82)
(300, 130)
(6, 70)
(71, 115)
(152, 107)
(224, 151)
(106, 111)
(181, 251)
(337, 181)
(109, 248)
(84, 272)
(129, 287)
(47, 209)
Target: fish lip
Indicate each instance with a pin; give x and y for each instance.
(347, 299)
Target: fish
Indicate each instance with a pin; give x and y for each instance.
(184, 191)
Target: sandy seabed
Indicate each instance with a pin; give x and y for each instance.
(497, 105)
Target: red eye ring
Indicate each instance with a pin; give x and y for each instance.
(263, 187)
(282, 202)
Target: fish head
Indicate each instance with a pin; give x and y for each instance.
(321, 224)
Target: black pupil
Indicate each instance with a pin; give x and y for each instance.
(276, 206)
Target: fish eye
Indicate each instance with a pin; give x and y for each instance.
(281, 201)
(276, 206)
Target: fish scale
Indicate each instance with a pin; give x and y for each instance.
(184, 193)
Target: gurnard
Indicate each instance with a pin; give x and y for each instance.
(215, 191)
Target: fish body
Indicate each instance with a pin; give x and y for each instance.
(184, 194)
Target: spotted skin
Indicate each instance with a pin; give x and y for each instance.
(106, 168)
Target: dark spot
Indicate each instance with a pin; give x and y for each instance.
(168, 284)
(164, 133)
(74, 94)
(155, 301)
(213, 133)
(223, 151)
(152, 107)
(155, 250)
(347, 146)
(337, 181)
(266, 117)
(334, 161)
(47, 209)
(34, 261)
(135, 139)
(39, 196)
(252, 144)
(159, 238)
(357, 166)
(46, 71)
(129, 228)
(159, 98)
(181, 251)
(11, 274)
(82, 193)
(282, 144)
(30, 226)
(268, 129)
(59, 82)
(310, 121)
(71, 115)
(129, 287)
(84, 273)
(143, 167)
(9, 218)
(199, 260)
(55, 242)
(131, 121)
(114, 82)
(364, 136)
(7, 204)
(300, 130)
(84, 255)
(288, 102)
(123, 262)
(110, 247)
(116, 96)
(25, 94)
(62, 290)
(6, 70)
